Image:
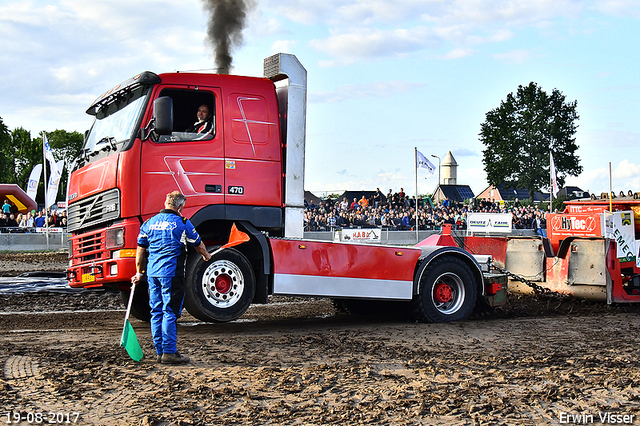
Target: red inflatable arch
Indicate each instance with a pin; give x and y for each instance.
(15, 194)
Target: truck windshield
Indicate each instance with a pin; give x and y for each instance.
(115, 125)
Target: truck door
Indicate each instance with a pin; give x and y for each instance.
(253, 174)
(187, 160)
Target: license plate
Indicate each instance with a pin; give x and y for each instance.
(88, 278)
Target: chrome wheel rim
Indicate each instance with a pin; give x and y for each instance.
(223, 283)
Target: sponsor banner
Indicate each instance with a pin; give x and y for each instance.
(369, 235)
(51, 230)
(54, 180)
(618, 226)
(489, 222)
(579, 208)
(560, 226)
(34, 180)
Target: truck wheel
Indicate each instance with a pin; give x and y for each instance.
(140, 306)
(220, 290)
(447, 291)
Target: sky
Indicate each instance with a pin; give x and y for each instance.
(384, 76)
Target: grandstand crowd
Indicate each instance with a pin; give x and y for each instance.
(396, 212)
(13, 221)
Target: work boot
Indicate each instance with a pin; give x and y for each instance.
(159, 358)
(175, 358)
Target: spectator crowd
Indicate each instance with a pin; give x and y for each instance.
(397, 212)
(11, 220)
(393, 211)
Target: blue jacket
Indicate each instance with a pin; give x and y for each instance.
(166, 235)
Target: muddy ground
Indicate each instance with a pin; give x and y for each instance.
(298, 362)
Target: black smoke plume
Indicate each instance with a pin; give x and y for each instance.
(226, 21)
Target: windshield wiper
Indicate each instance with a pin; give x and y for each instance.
(111, 141)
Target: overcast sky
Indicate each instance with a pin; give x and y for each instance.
(385, 76)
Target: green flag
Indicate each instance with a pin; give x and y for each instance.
(130, 342)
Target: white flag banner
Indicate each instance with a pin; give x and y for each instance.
(49, 155)
(54, 180)
(554, 181)
(34, 180)
(424, 162)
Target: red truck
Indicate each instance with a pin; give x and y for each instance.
(248, 170)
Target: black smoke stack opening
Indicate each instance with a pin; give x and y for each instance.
(227, 19)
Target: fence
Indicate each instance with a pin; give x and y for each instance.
(58, 240)
(33, 239)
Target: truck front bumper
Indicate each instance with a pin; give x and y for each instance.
(103, 258)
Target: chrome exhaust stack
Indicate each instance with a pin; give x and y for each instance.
(290, 80)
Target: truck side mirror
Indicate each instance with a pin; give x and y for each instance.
(163, 115)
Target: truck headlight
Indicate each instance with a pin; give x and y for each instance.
(114, 238)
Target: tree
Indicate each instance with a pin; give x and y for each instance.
(5, 154)
(520, 134)
(19, 153)
(27, 153)
(65, 146)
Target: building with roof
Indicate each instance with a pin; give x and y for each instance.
(573, 193)
(457, 193)
(504, 193)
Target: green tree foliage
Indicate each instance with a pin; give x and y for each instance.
(19, 153)
(5, 154)
(26, 154)
(65, 146)
(520, 133)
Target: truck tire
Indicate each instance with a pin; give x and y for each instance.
(140, 306)
(220, 290)
(447, 291)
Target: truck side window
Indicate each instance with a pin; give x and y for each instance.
(194, 115)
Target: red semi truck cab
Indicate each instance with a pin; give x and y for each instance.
(249, 171)
(128, 165)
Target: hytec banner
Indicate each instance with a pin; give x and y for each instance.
(34, 180)
(361, 235)
(592, 221)
(489, 222)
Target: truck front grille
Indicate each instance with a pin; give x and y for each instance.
(93, 210)
(88, 247)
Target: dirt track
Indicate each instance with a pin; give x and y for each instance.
(298, 362)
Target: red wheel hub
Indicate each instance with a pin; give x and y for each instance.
(443, 293)
(223, 283)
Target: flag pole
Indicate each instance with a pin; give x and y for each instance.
(46, 184)
(610, 189)
(415, 166)
(550, 182)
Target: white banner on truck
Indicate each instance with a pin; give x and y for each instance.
(361, 235)
(489, 223)
(619, 227)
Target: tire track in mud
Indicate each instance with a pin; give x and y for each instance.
(42, 395)
(294, 367)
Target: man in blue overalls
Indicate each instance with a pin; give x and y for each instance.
(166, 236)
